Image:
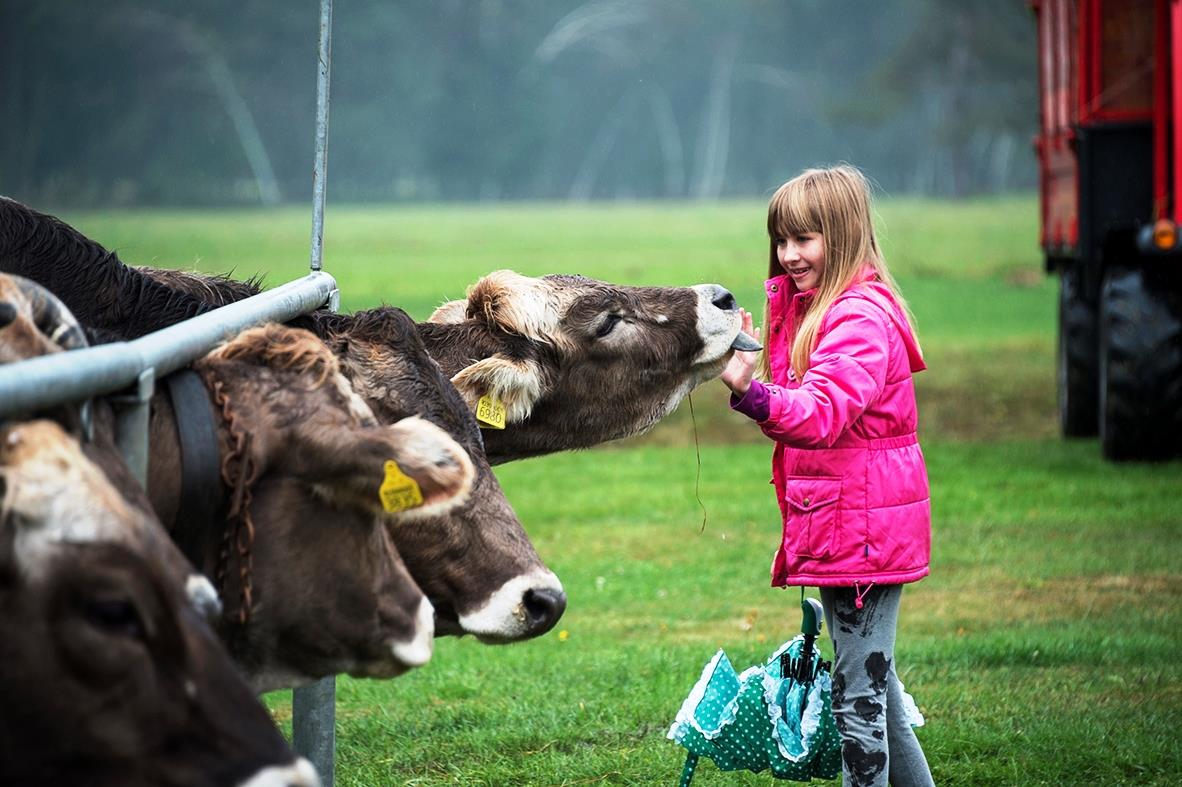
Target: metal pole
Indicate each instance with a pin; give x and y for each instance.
(132, 414)
(320, 164)
(313, 708)
(313, 725)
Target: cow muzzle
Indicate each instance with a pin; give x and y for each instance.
(523, 608)
(719, 327)
(298, 774)
(416, 651)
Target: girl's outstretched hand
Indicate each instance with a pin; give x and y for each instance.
(741, 368)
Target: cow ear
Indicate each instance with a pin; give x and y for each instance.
(516, 383)
(450, 312)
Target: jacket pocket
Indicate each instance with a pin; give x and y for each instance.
(812, 515)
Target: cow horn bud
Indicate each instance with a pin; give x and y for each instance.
(51, 316)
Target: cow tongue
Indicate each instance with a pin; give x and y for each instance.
(746, 343)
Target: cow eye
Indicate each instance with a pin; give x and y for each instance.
(7, 314)
(607, 325)
(116, 616)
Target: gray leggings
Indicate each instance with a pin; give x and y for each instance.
(878, 745)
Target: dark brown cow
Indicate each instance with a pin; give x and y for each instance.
(108, 675)
(476, 564)
(576, 362)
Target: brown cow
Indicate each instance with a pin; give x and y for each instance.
(576, 362)
(322, 589)
(476, 564)
(317, 587)
(109, 676)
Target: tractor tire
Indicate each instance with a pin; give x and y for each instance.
(1077, 358)
(1140, 365)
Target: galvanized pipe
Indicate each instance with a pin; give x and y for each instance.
(62, 378)
(313, 726)
(320, 162)
(132, 421)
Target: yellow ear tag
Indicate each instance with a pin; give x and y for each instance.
(490, 413)
(399, 491)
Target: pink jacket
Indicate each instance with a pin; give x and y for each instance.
(849, 474)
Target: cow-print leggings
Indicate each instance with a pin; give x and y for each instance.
(878, 745)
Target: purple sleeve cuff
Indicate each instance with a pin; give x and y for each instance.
(755, 404)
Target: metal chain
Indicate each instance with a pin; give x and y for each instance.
(239, 474)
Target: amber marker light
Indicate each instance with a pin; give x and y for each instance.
(1165, 234)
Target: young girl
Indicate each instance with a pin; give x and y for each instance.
(850, 479)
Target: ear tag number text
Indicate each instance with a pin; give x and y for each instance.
(399, 491)
(490, 413)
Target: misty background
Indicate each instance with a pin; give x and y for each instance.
(211, 102)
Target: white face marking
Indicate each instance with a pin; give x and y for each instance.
(357, 406)
(504, 617)
(61, 496)
(299, 774)
(417, 651)
(203, 596)
(717, 328)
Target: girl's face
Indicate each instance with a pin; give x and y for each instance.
(802, 256)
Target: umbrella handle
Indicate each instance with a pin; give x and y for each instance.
(687, 773)
(810, 623)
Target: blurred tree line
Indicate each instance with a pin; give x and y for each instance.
(212, 102)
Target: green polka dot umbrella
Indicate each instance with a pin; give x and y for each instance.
(775, 716)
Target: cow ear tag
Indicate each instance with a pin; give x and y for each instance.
(490, 413)
(399, 491)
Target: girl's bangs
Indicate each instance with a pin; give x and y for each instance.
(790, 212)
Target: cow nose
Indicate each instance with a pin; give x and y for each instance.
(543, 606)
(722, 299)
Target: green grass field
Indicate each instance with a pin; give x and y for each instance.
(1043, 649)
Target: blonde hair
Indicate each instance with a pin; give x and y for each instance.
(834, 201)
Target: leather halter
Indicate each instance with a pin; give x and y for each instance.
(201, 480)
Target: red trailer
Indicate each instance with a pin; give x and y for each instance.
(1110, 174)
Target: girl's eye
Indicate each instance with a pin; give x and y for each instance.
(607, 325)
(780, 241)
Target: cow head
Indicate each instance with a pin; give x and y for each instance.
(33, 322)
(320, 588)
(49, 481)
(575, 361)
(110, 678)
(475, 563)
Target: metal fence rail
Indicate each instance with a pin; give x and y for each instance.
(52, 380)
